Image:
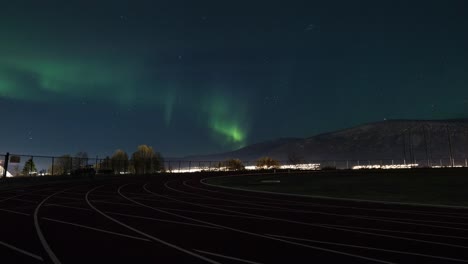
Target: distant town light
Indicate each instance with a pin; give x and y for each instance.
(385, 167)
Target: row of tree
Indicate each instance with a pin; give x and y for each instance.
(143, 161)
(261, 163)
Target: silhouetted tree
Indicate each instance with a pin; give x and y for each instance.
(80, 160)
(16, 170)
(120, 161)
(294, 158)
(145, 160)
(234, 164)
(62, 165)
(267, 163)
(219, 165)
(105, 164)
(29, 167)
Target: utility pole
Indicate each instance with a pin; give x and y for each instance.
(450, 146)
(5, 167)
(410, 141)
(31, 167)
(430, 144)
(425, 144)
(404, 145)
(465, 142)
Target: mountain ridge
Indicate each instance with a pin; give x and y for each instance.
(408, 139)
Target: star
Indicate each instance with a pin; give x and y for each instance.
(311, 27)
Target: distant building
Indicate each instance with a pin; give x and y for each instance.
(8, 174)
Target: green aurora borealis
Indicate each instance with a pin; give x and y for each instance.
(192, 77)
(53, 81)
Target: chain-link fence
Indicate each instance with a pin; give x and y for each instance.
(12, 165)
(196, 166)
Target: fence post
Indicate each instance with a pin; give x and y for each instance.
(52, 170)
(466, 162)
(347, 164)
(5, 168)
(31, 166)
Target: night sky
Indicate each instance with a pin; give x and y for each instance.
(195, 77)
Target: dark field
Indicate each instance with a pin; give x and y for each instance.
(178, 219)
(432, 186)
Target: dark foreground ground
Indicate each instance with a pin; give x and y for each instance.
(445, 186)
(177, 219)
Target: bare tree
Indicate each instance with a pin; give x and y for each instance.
(62, 165)
(234, 164)
(119, 161)
(80, 160)
(267, 163)
(295, 159)
(145, 160)
(16, 170)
